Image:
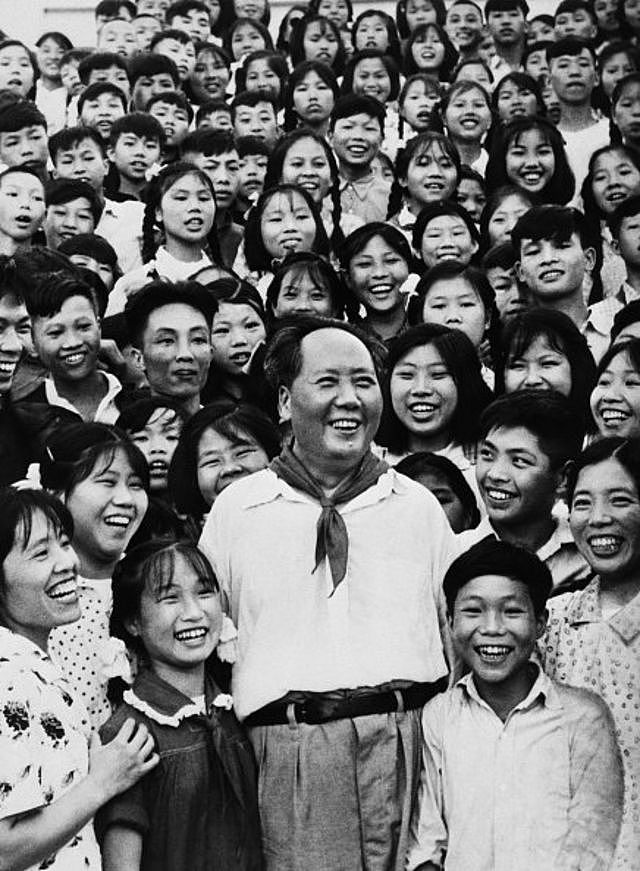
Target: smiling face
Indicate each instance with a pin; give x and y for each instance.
(119, 37)
(616, 68)
(210, 76)
(356, 139)
(66, 220)
(455, 303)
(515, 101)
(424, 396)
(221, 461)
(427, 50)
(447, 237)
(468, 115)
(615, 400)
(431, 176)
(464, 25)
(187, 210)
(287, 225)
(300, 295)
(541, 366)
(179, 623)
(16, 70)
(40, 581)
(554, 269)
(236, 331)
(68, 342)
(615, 179)
(334, 404)
(495, 630)
(371, 79)
(376, 274)
(157, 441)
(306, 165)
(530, 162)
(107, 508)
(15, 334)
(574, 77)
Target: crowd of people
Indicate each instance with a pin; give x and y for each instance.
(320, 439)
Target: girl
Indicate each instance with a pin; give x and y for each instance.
(530, 153)
(429, 50)
(615, 61)
(53, 780)
(154, 426)
(375, 29)
(544, 350)
(445, 231)
(306, 284)
(375, 262)
(434, 395)
(178, 230)
(428, 170)
(18, 69)
(199, 809)
(338, 11)
(103, 480)
(466, 112)
(625, 103)
(615, 400)
(372, 73)
(411, 13)
(263, 71)
(592, 639)
(251, 10)
(244, 36)
(221, 443)
(285, 219)
(310, 96)
(419, 97)
(471, 193)
(504, 206)
(211, 75)
(517, 95)
(317, 38)
(21, 193)
(447, 483)
(51, 96)
(474, 70)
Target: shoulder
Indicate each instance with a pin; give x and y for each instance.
(123, 712)
(583, 707)
(254, 489)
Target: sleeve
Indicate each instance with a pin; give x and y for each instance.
(446, 549)
(21, 751)
(429, 837)
(597, 789)
(216, 542)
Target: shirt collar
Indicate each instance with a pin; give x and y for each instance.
(53, 397)
(360, 186)
(560, 537)
(542, 688)
(585, 608)
(163, 703)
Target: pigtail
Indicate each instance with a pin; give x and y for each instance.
(149, 241)
(290, 120)
(396, 199)
(337, 235)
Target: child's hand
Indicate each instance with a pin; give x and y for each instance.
(116, 766)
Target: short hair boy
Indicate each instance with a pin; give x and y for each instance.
(151, 74)
(69, 75)
(192, 16)
(253, 155)
(215, 114)
(79, 153)
(145, 27)
(575, 18)
(526, 439)
(66, 335)
(356, 130)
(174, 112)
(105, 66)
(255, 114)
(177, 45)
(135, 144)
(99, 105)
(117, 35)
(72, 207)
(23, 137)
(463, 24)
(499, 265)
(507, 23)
(107, 10)
(94, 253)
(519, 771)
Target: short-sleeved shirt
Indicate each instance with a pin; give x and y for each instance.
(44, 734)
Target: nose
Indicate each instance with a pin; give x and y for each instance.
(191, 608)
(237, 337)
(10, 343)
(347, 395)
(231, 468)
(496, 471)
(533, 377)
(122, 494)
(421, 384)
(600, 514)
(184, 351)
(65, 559)
(492, 622)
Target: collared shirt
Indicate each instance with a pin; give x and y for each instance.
(583, 648)
(44, 741)
(107, 410)
(541, 790)
(121, 225)
(597, 329)
(580, 145)
(559, 552)
(385, 621)
(366, 197)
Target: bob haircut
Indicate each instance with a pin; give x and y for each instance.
(590, 206)
(523, 82)
(227, 37)
(257, 256)
(233, 422)
(160, 293)
(434, 210)
(296, 43)
(449, 60)
(563, 336)
(321, 273)
(494, 201)
(423, 143)
(298, 74)
(283, 358)
(73, 451)
(423, 461)
(401, 16)
(630, 347)
(235, 292)
(461, 359)
(492, 556)
(560, 189)
(136, 415)
(626, 451)
(462, 86)
(393, 42)
(276, 63)
(369, 54)
(10, 43)
(360, 238)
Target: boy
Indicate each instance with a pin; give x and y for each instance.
(94, 253)
(575, 18)
(150, 75)
(170, 325)
(535, 60)
(526, 439)
(572, 66)
(253, 157)
(464, 26)
(193, 17)
(356, 128)
(179, 47)
(100, 105)
(507, 24)
(255, 114)
(21, 208)
(72, 207)
(66, 336)
(215, 114)
(145, 28)
(135, 144)
(69, 75)
(117, 36)
(216, 154)
(520, 772)
(174, 112)
(105, 66)
(23, 137)
(499, 265)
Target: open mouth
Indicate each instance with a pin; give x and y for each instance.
(606, 545)
(7, 369)
(119, 522)
(158, 468)
(496, 496)
(74, 359)
(191, 636)
(422, 410)
(551, 275)
(241, 358)
(345, 425)
(493, 653)
(64, 591)
(613, 417)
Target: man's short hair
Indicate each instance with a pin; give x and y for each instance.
(72, 137)
(506, 6)
(148, 64)
(557, 223)
(210, 106)
(209, 142)
(172, 98)
(13, 281)
(158, 294)
(171, 33)
(17, 115)
(91, 245)
(574, 6)
(354, 104)
(95, 90)
(500, 256)
(283, 358)
(247, 145)
(139, 123)
(182, 7)
(546, 414)
(252, 98)
(100, 60)
(60, 191)
(570, 46)
(113, 8)
(46, 298)
(628, 208)
(494, 557)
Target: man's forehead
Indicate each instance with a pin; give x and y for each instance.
(174, 315)
(330, 347)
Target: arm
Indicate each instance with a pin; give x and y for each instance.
(121, 849)
(27, 838)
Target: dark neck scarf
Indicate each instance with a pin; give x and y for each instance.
(332, 540)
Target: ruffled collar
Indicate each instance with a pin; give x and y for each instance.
(166, 705)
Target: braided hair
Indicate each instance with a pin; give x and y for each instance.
(151, 231)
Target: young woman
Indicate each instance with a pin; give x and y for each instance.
(310, 96)
(530, 153)
(103, 480)
(201, 803)
(504, 206)
(18, 69)
(375, 29)
(445, 231)
(307, 284)
(466, 112)
(429, 50)
(615, 61)
(615, 399)
(317, 38)
(54, 781)
(244, 36)
(221, 443)
(434, 395)
(517, 95)
(592, 639)
(376, 262)
(372, 73)
(474, 70)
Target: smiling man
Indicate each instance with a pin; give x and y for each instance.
(340, 622)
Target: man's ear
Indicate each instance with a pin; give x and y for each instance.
(110, 154)
(284, 403)
(519, 272)
(615, 246)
